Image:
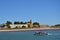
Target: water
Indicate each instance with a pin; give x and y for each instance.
(29, 35)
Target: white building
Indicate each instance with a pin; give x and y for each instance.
(18, 25)
(22, 25)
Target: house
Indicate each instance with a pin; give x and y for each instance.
(19, 25)
(22, 25)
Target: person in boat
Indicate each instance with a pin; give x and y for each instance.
(40, 33)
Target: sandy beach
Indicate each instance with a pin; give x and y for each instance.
(30, 29)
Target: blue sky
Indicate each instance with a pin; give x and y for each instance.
(42, 11)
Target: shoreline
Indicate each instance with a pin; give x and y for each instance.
(28, 29)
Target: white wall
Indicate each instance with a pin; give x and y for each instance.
(18, 25)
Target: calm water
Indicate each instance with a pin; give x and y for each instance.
(29, 35)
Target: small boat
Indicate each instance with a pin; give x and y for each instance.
(41, 33)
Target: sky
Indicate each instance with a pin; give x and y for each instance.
(45, 12)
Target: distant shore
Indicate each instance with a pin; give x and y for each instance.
(28, 29)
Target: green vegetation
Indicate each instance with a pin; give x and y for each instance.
(56, 26)
(36, 24)
(2, 25)
(8, 24)
(17, 22)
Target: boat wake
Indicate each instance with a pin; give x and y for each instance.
(45, 33)
(53, 33)
(50, 34)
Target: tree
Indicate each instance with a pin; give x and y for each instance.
(21, 22)
(57, 25)
(16, 22)
(2, 25)
(8, 24)
(36, 24)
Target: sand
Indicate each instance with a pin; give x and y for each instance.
(32, 29)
